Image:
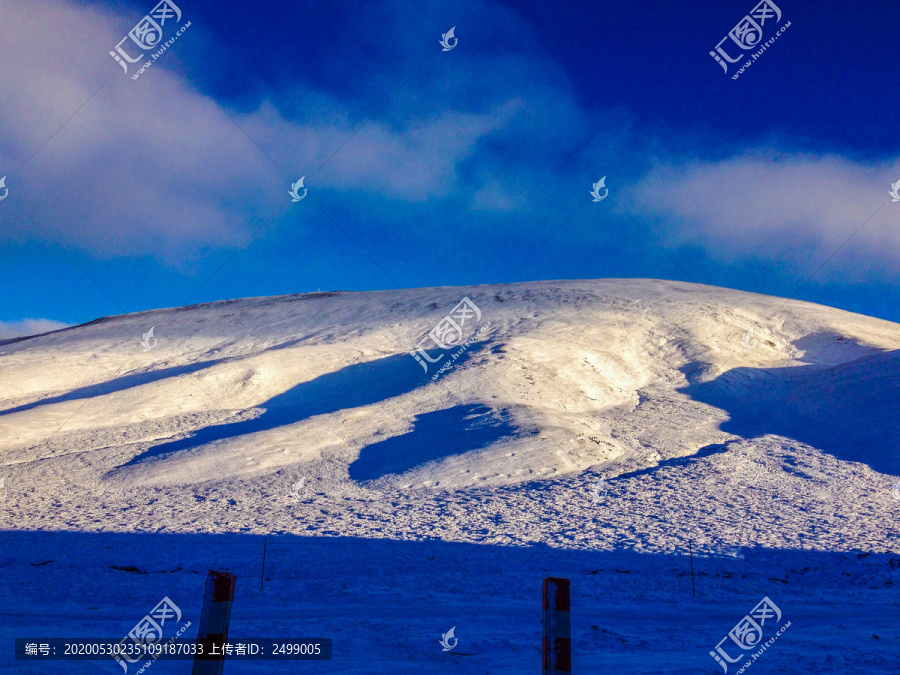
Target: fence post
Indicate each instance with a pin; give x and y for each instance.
(691, 550)
(557, 642)
(213, 631)
(262, 572)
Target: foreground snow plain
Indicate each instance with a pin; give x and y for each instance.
(607, 431)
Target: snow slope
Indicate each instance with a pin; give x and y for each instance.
(607, 419)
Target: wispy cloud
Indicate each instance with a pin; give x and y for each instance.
(156, 166)
(414, 162)
(764, 203)
(23, 327)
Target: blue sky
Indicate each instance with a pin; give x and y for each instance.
(427, 167)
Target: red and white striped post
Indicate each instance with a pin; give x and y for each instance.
(557, 642)
(213, 632)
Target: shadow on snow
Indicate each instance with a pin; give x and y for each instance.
(354, 386)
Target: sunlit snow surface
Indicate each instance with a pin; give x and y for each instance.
(592, 432)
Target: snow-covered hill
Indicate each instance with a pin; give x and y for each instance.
(600, 415)
(611, 374)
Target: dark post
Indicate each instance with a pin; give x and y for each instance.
(213, 631)
(557, 642)
(263, 571)
(691, 550)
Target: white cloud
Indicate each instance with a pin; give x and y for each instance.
(152, 166)
(23, 327)
(415, 163)
(495, 195)
(764, 203)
